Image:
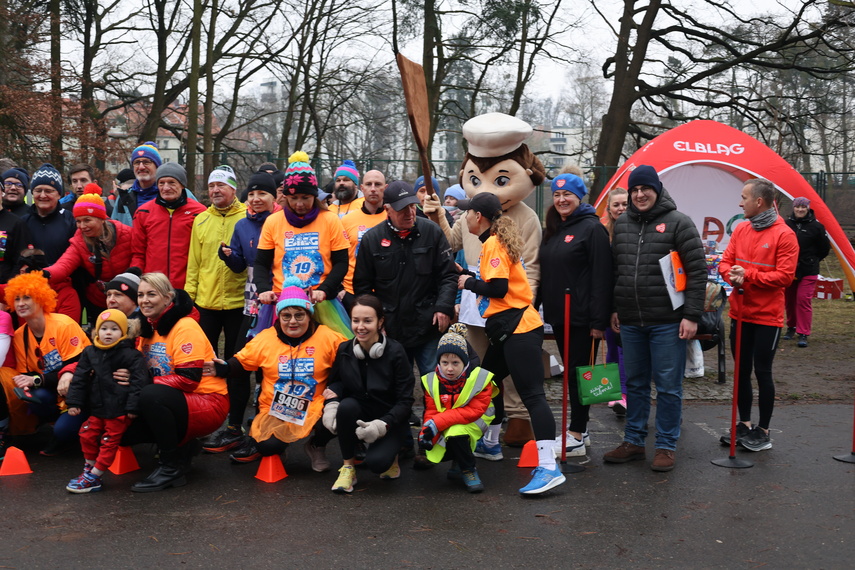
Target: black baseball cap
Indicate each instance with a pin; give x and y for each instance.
(484, 202)
(399, 195)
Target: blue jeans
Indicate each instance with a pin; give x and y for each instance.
(655, 352)
(424, 356)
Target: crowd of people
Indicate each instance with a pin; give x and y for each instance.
(157, 279)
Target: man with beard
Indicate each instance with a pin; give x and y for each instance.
(346, 195)
(145, 160)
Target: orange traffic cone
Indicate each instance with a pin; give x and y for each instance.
(15, 463)
(125, 461)
(528, 457)
(271, 469)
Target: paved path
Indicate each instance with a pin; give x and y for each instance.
(794, 509)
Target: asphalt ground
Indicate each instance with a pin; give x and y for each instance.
(795, 508)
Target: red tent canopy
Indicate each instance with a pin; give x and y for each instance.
(704, 165)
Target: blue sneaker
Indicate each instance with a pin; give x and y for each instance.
(86, 483)
(472, 481)
(543, 480)
(488, 452)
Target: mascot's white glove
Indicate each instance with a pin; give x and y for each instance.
(330, 411)
(369, 432)
(432, 204)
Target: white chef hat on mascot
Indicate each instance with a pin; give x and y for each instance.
(495, 134)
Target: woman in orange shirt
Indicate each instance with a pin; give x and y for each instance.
(295, 356)
(515, 331)
(181, 404)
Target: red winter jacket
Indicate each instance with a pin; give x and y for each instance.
(458, 416)
(78, 255)
(162, 239)
(769, 257)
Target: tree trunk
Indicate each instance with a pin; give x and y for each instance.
(627, 70)
(193, 102)
(56, 154)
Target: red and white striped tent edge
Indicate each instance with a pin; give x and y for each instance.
(704, 164)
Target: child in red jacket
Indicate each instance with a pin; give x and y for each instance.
(457, 409)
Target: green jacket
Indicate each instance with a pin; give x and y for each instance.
(210, 283)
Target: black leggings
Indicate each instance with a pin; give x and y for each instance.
(459, 450)
(759, 344)
(519, 356)
(230, 321)
(381, 454)
(163, 418)
(240, 384)
(580, 355)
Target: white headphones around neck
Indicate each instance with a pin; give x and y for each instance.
(376, 350)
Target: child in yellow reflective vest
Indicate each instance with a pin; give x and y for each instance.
(457, 409)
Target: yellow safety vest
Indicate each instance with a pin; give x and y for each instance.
(478, 380)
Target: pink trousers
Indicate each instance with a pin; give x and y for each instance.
(799, 309)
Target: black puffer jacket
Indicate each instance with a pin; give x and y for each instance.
(93, 387)
(578, 257)
(641, 239)
(413, 277)
(813, 243)
(386, 392)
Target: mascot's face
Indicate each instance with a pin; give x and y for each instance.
(506, 179)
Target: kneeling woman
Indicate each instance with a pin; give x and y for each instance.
(370, 396)
(515, 331)
(180, 405)
(295, 356)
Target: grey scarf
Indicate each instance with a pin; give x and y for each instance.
(764, 219)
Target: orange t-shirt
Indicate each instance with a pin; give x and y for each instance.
(355, 225)
(347, 209)
(185, 346)
(495, 263)
(293, 383)
(304, 252)
(63, 340)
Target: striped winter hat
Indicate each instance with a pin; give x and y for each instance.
(348, 168)
(147, 150)
(454, 342)
(293, 295)
(47, 175)
(300, 176)
(90, 204)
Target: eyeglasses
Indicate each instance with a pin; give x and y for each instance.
(143, 161)
(298, 317)
(13, 185)
(644, 189)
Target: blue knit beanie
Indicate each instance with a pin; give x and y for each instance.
(420, 183)
(570, 183)
(645, 175)
(18, 174)
(47, 175)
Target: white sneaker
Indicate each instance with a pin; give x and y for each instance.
(574, 447)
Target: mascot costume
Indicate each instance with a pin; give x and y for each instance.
(499, 162)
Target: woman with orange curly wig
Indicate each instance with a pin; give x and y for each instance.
(46, 346)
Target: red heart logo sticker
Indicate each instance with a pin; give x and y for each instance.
(560, 183)
(385, 243)
(310, 350)
(283, 359)
(52, 341)
(568, 239)
(289, 235)
(123, 287)
(660, 228)
(362, 228)
(494, 262)
(105, 315)
(588, 375)
(187, 347)
(74, 341)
